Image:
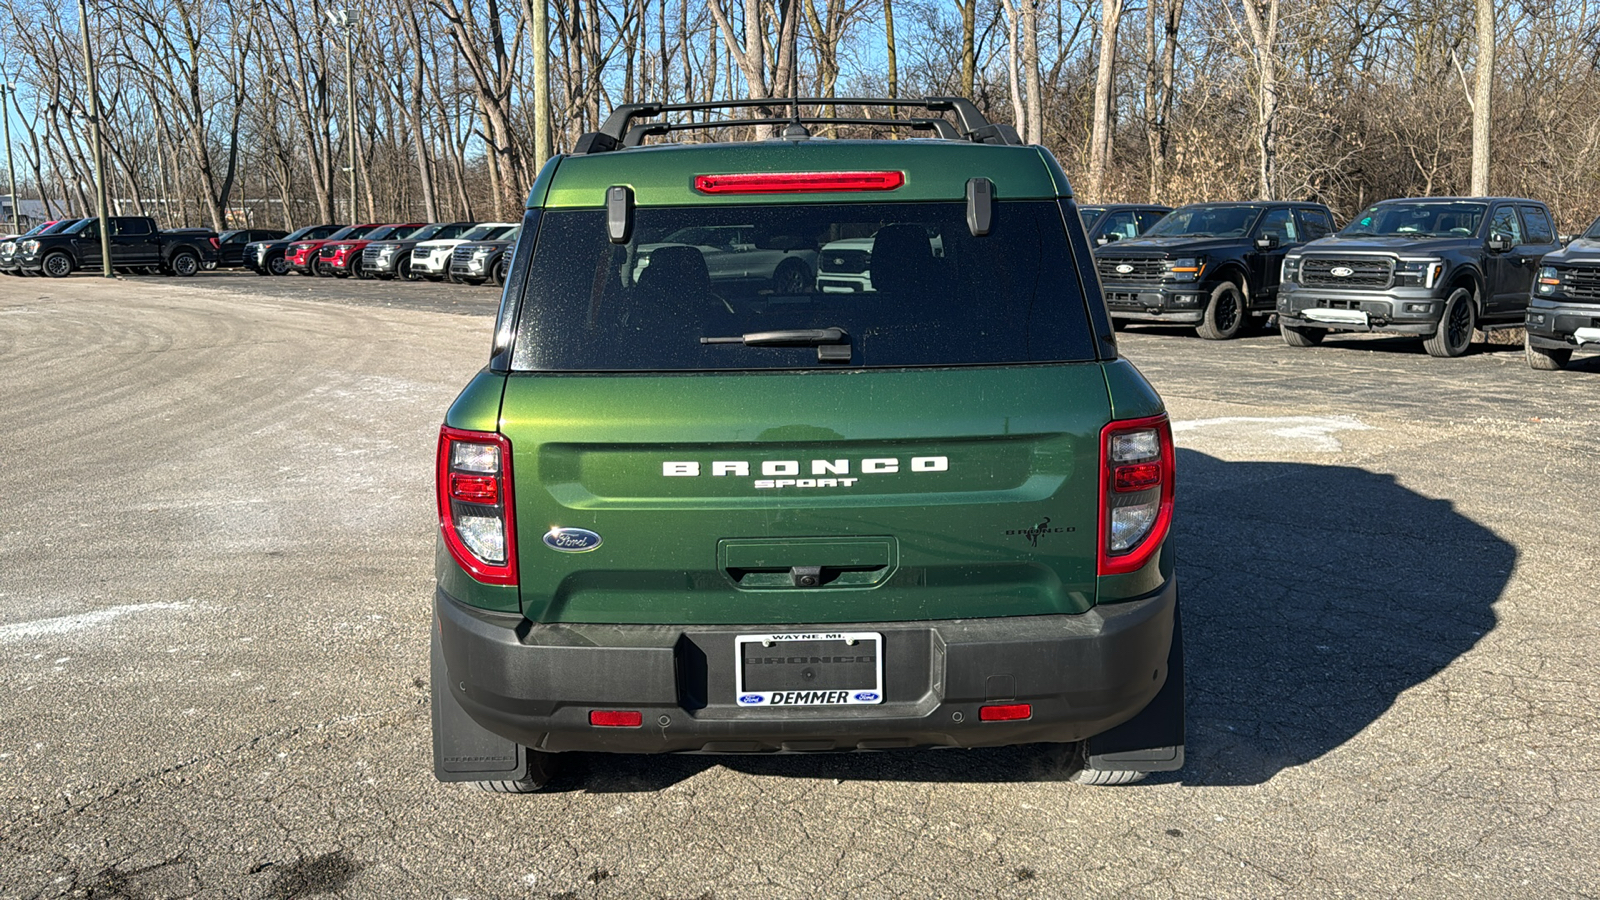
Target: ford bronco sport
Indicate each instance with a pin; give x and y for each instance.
(687, 509)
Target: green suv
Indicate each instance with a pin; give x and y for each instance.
(689, 509)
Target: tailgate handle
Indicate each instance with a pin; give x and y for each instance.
(807, 563)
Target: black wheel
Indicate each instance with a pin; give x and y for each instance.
(453, 278)
(1301, 337)
(184, 264)
(1225, 314)
(497, 273)
(359, 270)
(793, 277)
(1454, 334)
(57, 265)
(404, 271)
(1543, 359)
(541, 768)
(277, 265)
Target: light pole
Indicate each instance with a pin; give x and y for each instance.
(7, 91)
(341, 20)
(94, 138)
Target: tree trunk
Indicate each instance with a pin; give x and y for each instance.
(1481, 94)
(1105, 75)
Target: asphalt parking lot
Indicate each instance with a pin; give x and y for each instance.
(218, 544)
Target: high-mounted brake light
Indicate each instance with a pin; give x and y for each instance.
(798, 182)
(1136, 480)
(475, 504)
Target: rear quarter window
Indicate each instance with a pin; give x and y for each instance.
(907, 282)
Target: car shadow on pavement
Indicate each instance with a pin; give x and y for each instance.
(1313, 596)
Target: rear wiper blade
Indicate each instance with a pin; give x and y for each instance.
(799, 337)
(833, 344)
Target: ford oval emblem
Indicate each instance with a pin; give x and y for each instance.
(571, 540)
(751, 699)
(1124, 269)
(867, 697)
(1341, 271)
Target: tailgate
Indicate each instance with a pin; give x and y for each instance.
(807, 497)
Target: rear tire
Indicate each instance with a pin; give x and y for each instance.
(1545, 360)
(277, 265)
(184, 264)
(1225, 314)
(1454, 334)
(1301, 337)
(541, 768)
(1082, 774)
(497, 273)
(403, 271)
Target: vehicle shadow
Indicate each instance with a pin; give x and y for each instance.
(1313, 596)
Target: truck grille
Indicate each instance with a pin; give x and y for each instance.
(459, 257)
(1140, 268)
(850, 262)
(369, 257)
(421, 253)
(1363, 272)
(1582, 284)
(325, 253)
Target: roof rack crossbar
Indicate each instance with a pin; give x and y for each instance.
(638, 133)
(615, 133)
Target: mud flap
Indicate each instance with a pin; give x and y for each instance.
(463, 750)
(1151, 741)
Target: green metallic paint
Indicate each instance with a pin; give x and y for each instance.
(935, 170)
(1021, 442)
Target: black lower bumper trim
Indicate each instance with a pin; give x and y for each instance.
(535, 685)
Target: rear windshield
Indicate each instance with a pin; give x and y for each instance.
(907, 284)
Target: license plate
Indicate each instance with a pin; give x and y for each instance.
(1587, 335)
(834, 668)
(1336, 316)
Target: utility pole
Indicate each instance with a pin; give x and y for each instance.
(8, 90)
(341, 19)
(1482, 97)
(540, 20)
(94, 138)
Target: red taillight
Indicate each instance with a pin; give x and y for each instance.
(615, 718)
(475, 503)
(798, 182)
(215, 244)
(1136, 480)
(1009, 712)
(474, 488)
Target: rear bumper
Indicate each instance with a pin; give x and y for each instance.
(535, 685)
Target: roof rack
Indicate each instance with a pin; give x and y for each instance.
(618, 132)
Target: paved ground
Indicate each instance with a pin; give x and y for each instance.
(217, 545)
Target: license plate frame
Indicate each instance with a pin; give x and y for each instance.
(785, 683)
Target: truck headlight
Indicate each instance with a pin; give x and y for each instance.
(1291, 270)
(1188, 268)
(1549, 279)
(30, 246)
(1418, 272)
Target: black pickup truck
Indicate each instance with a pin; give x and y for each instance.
(1119, 221)
(1211, 265)
(1564, 309)
(1438, 268)
(136, 244)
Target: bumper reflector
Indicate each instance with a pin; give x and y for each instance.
(615, 718)
(1009, 713)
